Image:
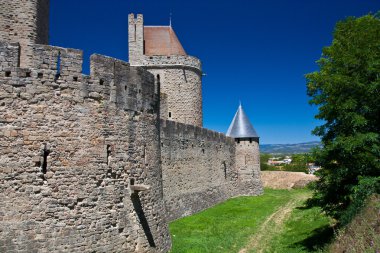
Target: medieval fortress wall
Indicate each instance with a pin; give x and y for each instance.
(198, 168)
(86, 164)
(72, 149)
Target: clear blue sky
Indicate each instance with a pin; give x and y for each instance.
(254, 51)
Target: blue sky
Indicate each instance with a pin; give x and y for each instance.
(253, 51)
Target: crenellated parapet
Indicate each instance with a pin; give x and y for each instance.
(172, 129)
(59, 70)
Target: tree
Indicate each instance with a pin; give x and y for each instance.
(346, 91)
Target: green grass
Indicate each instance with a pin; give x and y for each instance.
(307, 230)
(230, 226)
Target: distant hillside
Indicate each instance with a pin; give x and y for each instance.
(288, 148)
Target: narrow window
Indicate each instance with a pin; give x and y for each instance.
(108, 154)
(28, 74)
(170, 115)
(250, 140)
(125, 87)
(144, 154)
(203, 150)
(7, 73)
(144, 47)
(135, 32)
(58, 74)
(158, 85)
(75, 79)
(238, 140)
(45, 154)
(40, 75)
(101, 81)
(225, 169)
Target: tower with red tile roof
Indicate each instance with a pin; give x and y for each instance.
(178, 75)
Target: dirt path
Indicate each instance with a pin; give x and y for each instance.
(273, 225)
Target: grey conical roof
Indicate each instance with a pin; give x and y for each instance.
(240, 126)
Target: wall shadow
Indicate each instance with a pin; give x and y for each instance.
(143, 221)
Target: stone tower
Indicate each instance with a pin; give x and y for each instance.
(247, 147)
(179, 75)
(25, 22)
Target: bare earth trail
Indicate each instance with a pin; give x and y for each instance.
(273, 225)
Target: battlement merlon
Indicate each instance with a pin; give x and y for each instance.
(171, 129)
(57, 71)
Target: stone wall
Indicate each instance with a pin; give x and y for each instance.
(73, 148)
(199, 169)
(183, 89)
(180, 77)
(248, 164)
(25, 22)
(135, 38)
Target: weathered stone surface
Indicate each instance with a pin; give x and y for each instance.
(80, 156)
(24, 22)
(67, 160)
(201, 168)
(180, 77)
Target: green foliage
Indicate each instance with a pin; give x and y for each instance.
(366, 187)
(377, 15)
(263, 162)
(298, 164)
(346, 90)
(265, 166)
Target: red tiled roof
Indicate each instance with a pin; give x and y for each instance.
(162, 40)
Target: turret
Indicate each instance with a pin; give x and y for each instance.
(24, 22)
(136, 38)
(158, 49)
(247, 147)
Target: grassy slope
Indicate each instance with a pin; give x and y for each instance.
(307, 230)
(363, 233)
(231, 226)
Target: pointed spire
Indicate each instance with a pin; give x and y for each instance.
(240, 126)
